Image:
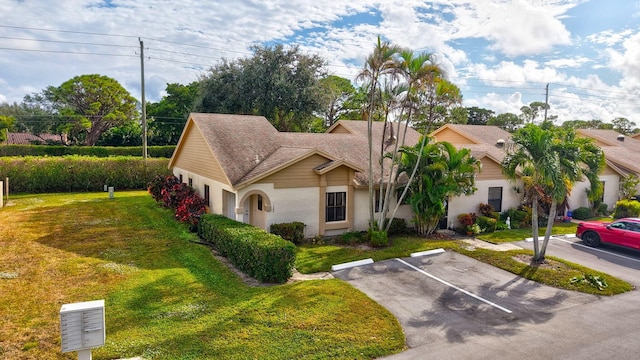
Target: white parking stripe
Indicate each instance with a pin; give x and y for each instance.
(596, 249)
(455, 287)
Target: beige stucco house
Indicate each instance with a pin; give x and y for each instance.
(487, 145)
(621, 153)
(248, 171)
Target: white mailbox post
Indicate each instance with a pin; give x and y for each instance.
(82, 327)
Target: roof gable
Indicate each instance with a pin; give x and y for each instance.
(458, 134)
(249, 148)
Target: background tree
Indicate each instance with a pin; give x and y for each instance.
(90, 105)
(336, 92)
(623, 125)
(507, 121)
(168, 116)
(6, 124)
(529, 113)
(587, 124)
(128, 134)
(478, 116)
(277, 83)
(442, 171)
(629, 187)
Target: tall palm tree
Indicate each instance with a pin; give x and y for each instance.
(378, 63)
(549, 162)
(416, 73)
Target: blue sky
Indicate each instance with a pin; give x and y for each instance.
(501, 53)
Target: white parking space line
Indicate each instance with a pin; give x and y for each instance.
(599, 250)
(455, 287)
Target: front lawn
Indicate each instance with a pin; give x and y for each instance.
(501, 236)
(165, 296)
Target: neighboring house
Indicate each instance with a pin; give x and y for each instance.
(248, 171)
(621, 153)
(31, 139)
(487, 145)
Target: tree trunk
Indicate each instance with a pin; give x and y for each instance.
(534, 228)
(547, 234)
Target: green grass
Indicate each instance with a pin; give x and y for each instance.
(314, 258)
(502, 236)
(165, 296)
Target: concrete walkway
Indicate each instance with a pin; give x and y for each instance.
(477, 243)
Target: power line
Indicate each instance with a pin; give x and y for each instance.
(67, 31)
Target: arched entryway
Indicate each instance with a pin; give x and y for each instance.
(256, 204)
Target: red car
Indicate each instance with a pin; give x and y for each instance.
(623, 232)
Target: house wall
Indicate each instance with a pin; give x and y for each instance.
(215, 189)
(470, 203)
(452, 137)
(195, 157)
(361, 219)
(578, 197)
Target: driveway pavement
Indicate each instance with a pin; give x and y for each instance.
(452, 306)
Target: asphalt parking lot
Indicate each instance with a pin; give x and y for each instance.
(452, 306)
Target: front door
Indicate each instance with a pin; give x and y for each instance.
(257, 215)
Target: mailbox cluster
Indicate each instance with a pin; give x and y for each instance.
(82, 325)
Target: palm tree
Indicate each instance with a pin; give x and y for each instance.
(443, 171)
(549, 162)
(417, 73)
(379, 63)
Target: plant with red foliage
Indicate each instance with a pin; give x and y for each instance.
(160, 183)
(190, 209)
(467, 219)
(486, 210)
(173, 196)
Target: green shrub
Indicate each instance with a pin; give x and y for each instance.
(581, 213)
(352, 238)
(398, 227)
(29, 174)
(264, 256)
(293, 231)
(378, 238)
(487, 224)
(626, 208)
(97, 151)
(519, 218)
(603, 209)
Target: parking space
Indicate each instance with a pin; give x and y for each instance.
(452, 297)
(613, 260)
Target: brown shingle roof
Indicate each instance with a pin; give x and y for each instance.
(249, 147)
(28, 139)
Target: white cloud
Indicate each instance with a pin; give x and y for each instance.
(609, 37)
(515, 27)
(627, 62)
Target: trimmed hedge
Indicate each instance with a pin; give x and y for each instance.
(581, 213)
(264, 256)
(293, 231)
(75, 173)
(487, 224)
(97, 151)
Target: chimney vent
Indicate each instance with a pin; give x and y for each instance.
(620, 137)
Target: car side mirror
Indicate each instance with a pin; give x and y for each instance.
(608, 227)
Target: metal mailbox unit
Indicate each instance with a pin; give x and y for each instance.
(82, 327)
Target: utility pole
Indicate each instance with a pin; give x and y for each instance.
(546, 102)
(144, 104)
